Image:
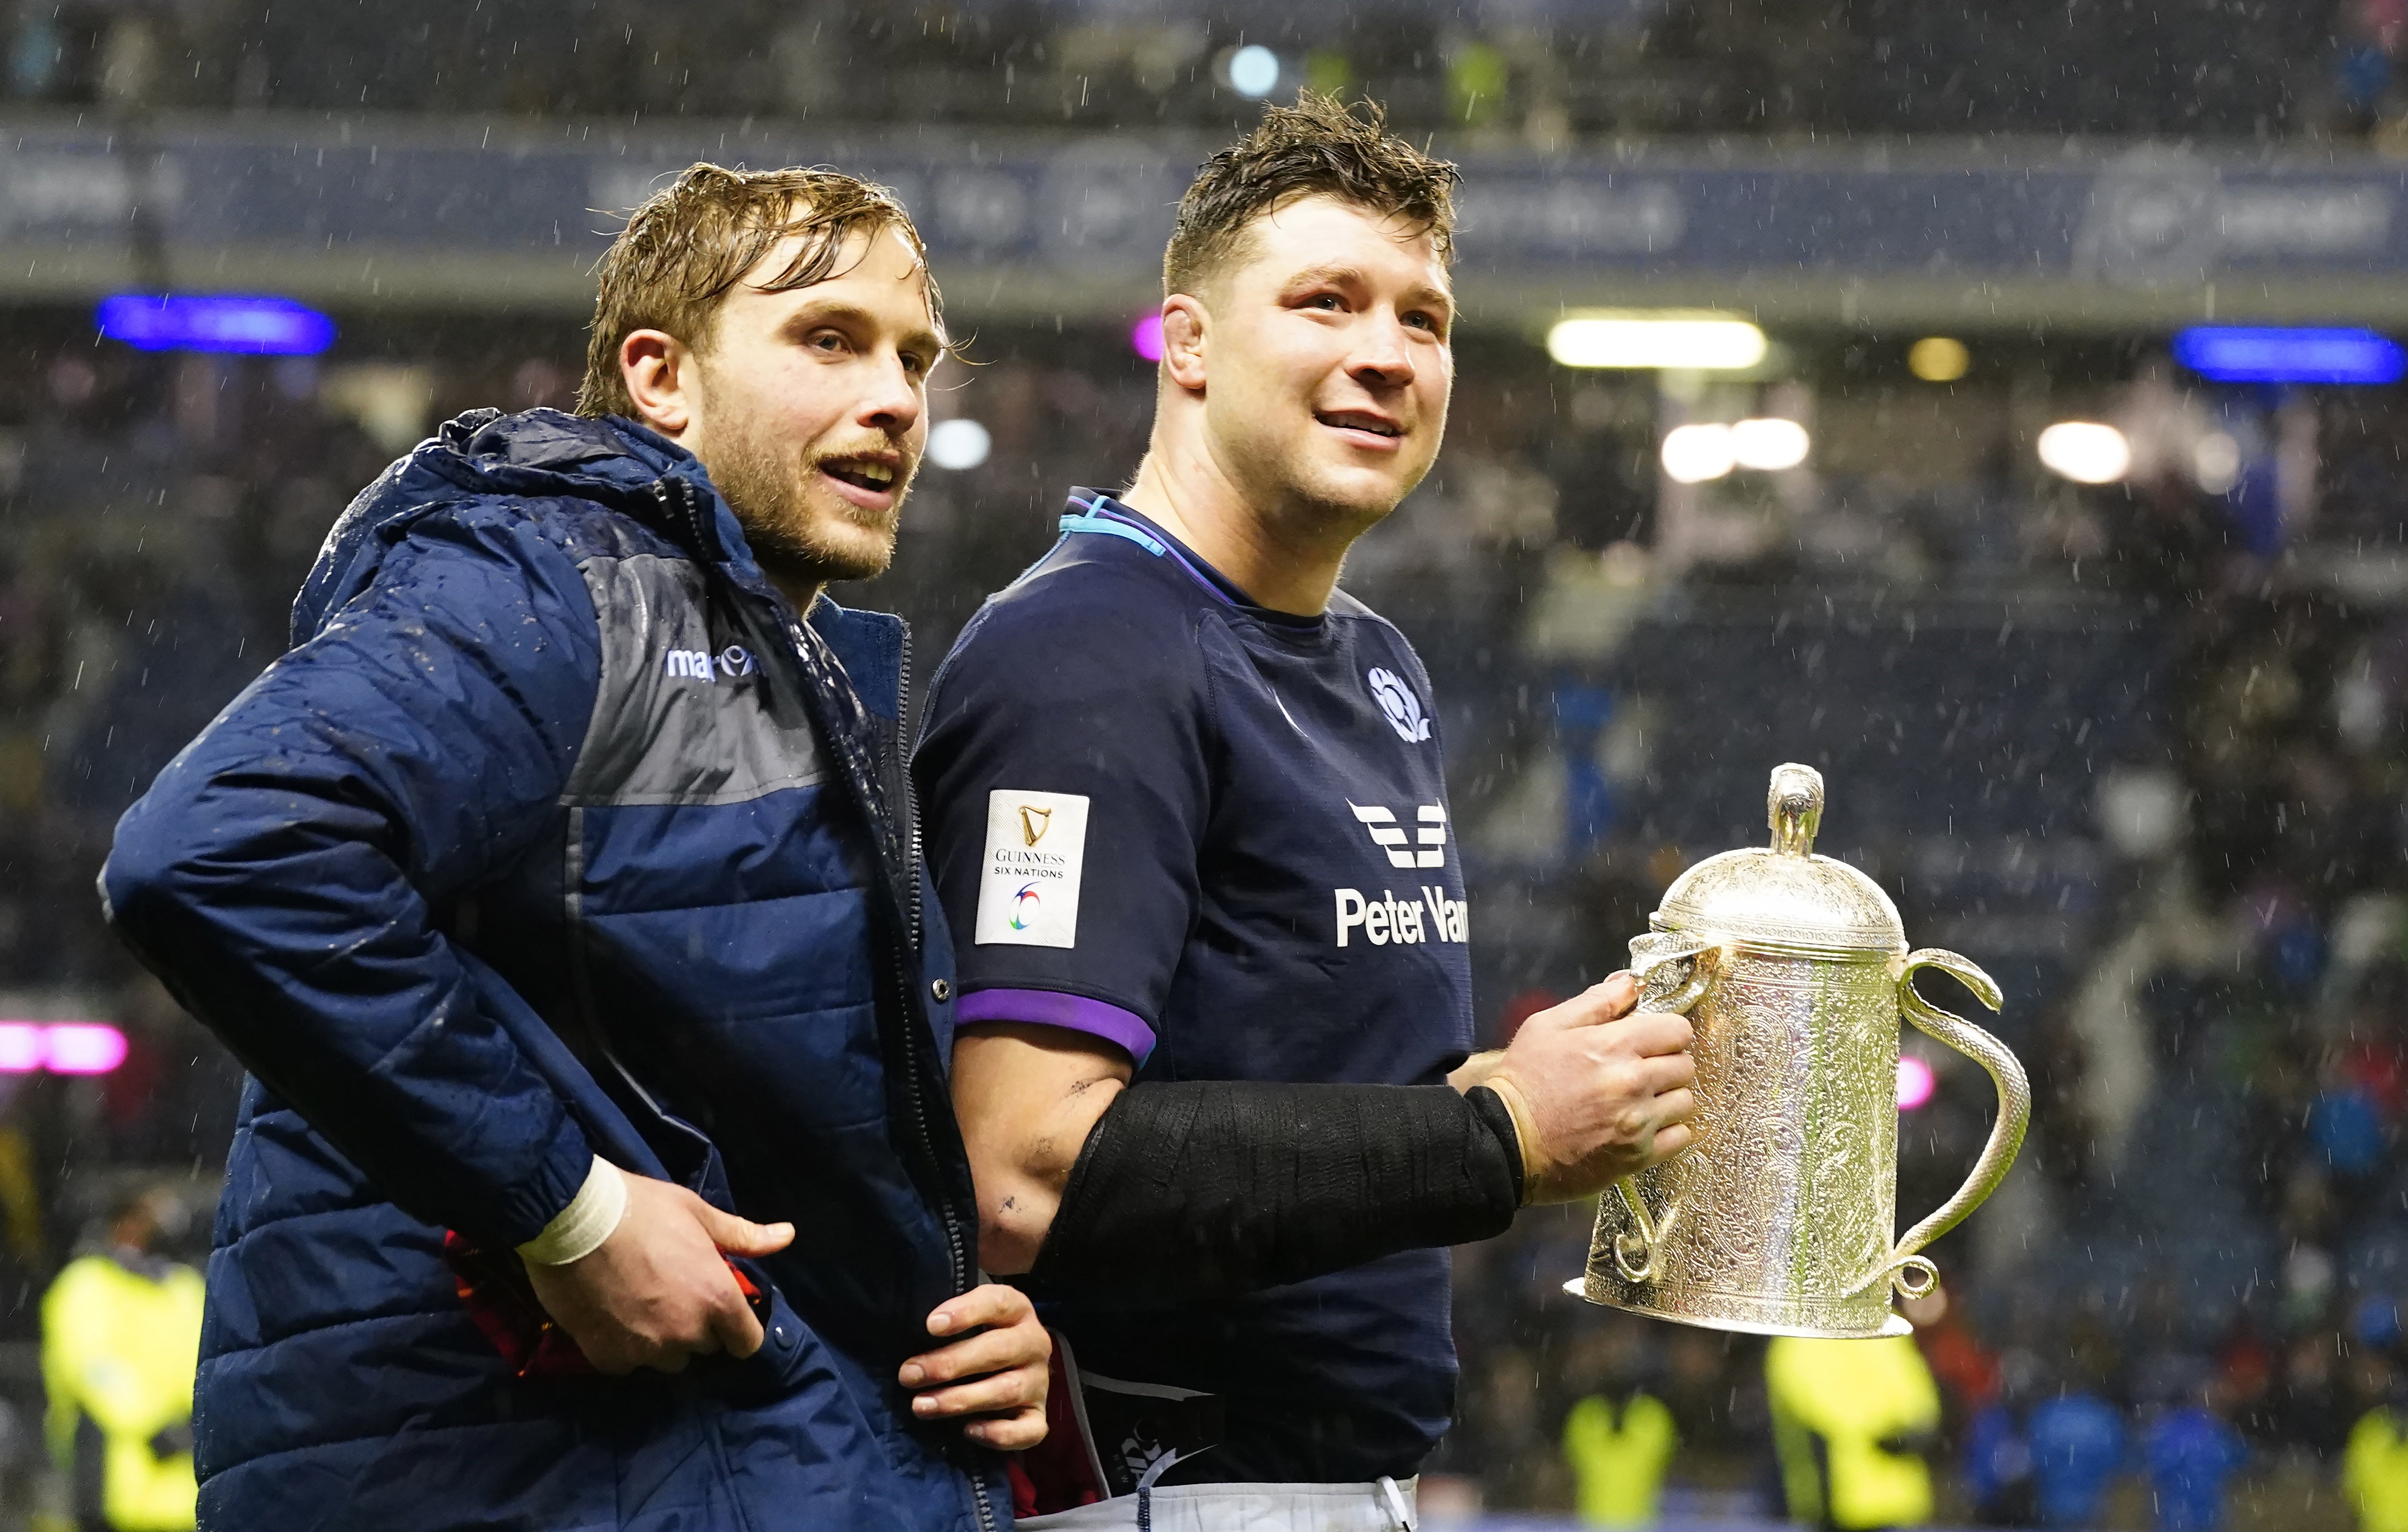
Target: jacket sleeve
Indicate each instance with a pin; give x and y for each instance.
(278, 875)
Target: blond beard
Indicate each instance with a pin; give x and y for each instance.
(769, 493)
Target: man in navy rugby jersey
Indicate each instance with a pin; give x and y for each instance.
(1186, 799)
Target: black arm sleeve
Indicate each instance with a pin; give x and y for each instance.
(1198, 1189)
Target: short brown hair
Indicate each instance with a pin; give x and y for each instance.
(696, 238)
(1316, 147)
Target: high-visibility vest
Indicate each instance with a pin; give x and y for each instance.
(119, 1350)
(1834, 1404)
(1619, 1459)
(2374, 1471)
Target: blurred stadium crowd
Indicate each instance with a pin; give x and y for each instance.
(1546, 69)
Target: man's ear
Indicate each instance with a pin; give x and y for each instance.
(1183, 341)
(658, 370)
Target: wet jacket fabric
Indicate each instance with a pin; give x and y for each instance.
(557, 833)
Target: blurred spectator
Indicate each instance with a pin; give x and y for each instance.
(2043, 1455)
(1618, 1450)
(1851, 1421)
(121, 1337)
(2374, 1469)
(1998, 1465)
(2077, 1448)
(2190, 1455)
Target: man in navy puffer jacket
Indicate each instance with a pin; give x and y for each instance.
(559, 891)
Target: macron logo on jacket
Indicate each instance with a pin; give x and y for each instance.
(703, 665)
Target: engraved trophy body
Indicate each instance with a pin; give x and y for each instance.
(1794, 972)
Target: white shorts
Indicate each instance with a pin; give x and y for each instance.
(1383, 1505)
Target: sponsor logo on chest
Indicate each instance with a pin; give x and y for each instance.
(703, 665)
(1426, 914)
(1427, 848)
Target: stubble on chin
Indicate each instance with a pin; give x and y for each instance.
(796, 532)
(1317, 500)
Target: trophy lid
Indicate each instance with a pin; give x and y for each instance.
(1784, 895)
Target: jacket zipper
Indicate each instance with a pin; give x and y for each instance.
(965, 1270)
(914, 852)
(964, 1273)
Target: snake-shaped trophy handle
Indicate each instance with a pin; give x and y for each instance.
(1906, 1266)
(1634, 1248)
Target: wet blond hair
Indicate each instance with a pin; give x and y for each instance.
(694, 241)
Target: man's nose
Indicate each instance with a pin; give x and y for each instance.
(893, 404)
(1385, 358)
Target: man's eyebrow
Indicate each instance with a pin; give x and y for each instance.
(839, 312)
(1341, 274)
(1331, 271)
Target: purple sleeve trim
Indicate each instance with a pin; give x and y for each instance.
(1051, 1008)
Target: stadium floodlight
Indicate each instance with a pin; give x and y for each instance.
(1702, 339)
(1254, 71)
(959, 443)
(2085, 451)
(1145, 337)
(2216, 463)
(61, 1048)
(1916, 1083)
(1938, 359)
(1770, 444)
(252, 326)
(83, 1047)
(1695, 454)
(21, 1047)
(2233, 353)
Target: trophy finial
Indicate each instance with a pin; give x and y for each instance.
(1794, 808)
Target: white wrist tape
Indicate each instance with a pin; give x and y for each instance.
(589, 1219)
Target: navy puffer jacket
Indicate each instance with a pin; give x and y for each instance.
(557, 833)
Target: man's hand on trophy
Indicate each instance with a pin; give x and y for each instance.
(1596, 1091)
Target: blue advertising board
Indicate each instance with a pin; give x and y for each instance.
(464, 215)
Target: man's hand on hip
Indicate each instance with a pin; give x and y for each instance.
(657, 1293)
(996, 1376)
(1597, 1092)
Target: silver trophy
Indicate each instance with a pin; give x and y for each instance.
(1793, 970)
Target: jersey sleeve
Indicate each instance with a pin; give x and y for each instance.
(1064, 789)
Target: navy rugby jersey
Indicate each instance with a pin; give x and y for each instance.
(1217, 837)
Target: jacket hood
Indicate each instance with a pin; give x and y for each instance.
(485, 454)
